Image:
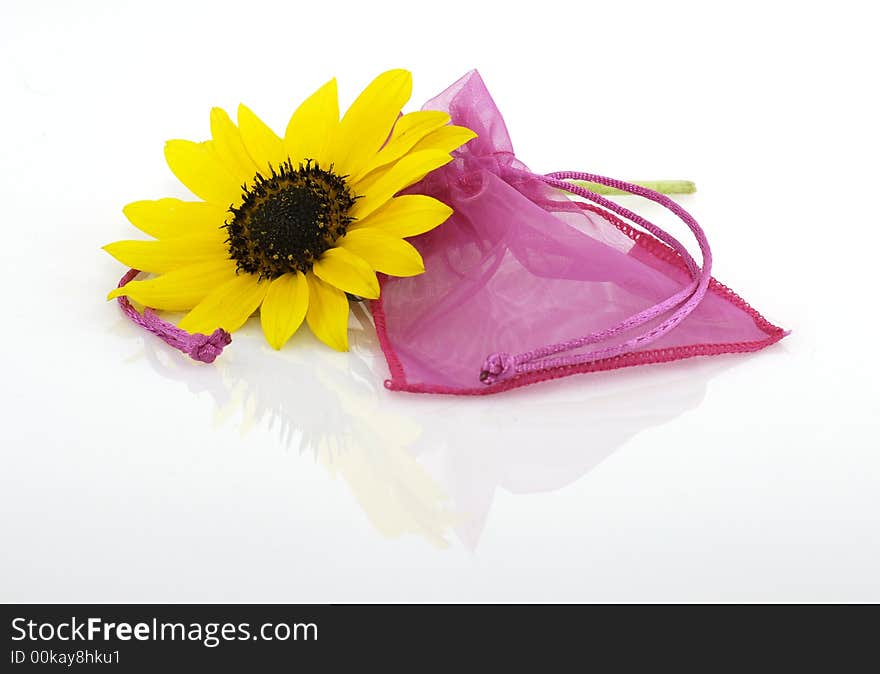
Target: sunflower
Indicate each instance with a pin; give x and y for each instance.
(291, 226)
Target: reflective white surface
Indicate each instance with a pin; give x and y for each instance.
(131, 474)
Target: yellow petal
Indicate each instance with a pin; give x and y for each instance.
(368, 122)
(170, 218)
(445, 139)
(198, 166)
(230, 147)
(228, 306)
(409, 130)
(181, 289)
(412, 168)
(310, 127)
(346, 271)
(407, 215)
(264, 147)
(327, 315)
(384, 253)
(284, 308)
(169, 254)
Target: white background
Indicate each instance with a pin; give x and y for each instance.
(130, 474)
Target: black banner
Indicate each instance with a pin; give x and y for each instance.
(239, 637)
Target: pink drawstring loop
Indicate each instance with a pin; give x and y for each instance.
(203, 348)
(500, 365)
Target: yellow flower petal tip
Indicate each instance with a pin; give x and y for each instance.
(284, 308)
(340, 345)
(286, 225)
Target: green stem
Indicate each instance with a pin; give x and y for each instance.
(662, 186)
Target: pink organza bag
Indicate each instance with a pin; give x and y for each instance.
(523, 284)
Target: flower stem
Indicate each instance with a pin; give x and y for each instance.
(662, 186)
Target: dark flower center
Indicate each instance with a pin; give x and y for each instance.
(288, 219)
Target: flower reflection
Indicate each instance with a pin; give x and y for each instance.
(430, 465)
(330, 404)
